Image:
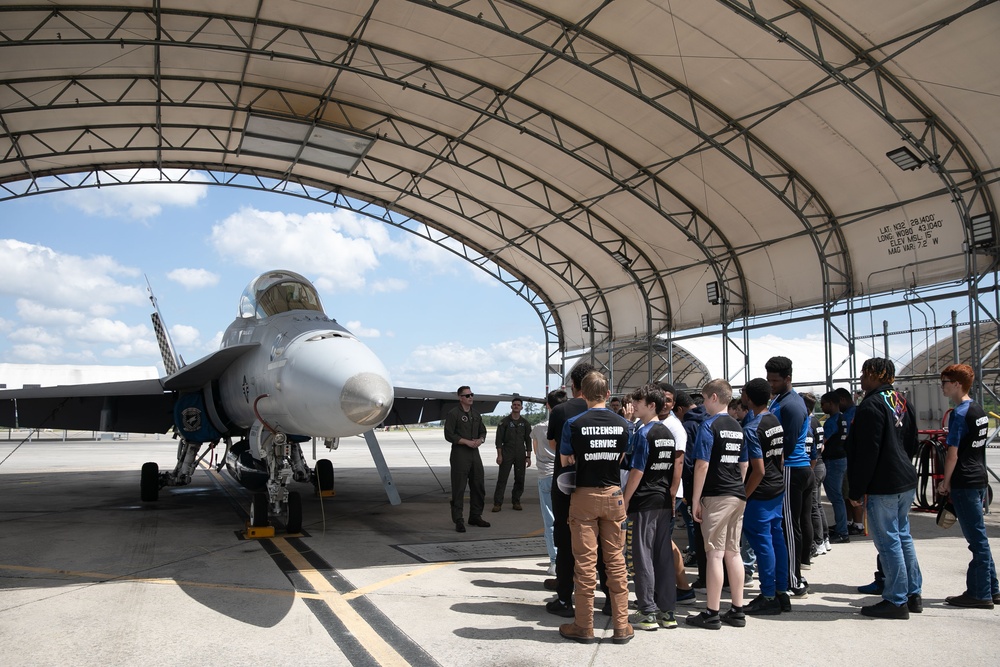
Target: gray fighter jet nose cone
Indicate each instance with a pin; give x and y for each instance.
(366, 399)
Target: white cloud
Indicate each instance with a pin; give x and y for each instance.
(362, 332)
(36, 313)
(103, 330)
(144, 197)
(194, 278)
(56, 280)
(138, 347)
(182, 334)
(499, 368)
(33, 353)
(336, 249)
(389, 285)
(37, 336)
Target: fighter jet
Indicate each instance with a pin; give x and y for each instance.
(285, 373)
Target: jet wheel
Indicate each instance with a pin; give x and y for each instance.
(324, 475)
(258, 510)
(149, 482)
(294, 522)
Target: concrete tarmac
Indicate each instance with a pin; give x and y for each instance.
(89, 575)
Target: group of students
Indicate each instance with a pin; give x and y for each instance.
(752, 480)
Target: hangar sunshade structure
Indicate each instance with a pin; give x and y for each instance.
(634, 170)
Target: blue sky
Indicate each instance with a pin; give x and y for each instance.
(73, 291)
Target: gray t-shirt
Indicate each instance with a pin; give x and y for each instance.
(545, 458)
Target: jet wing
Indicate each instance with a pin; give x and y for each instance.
(196, 375)
(136, 406)
(416, 406)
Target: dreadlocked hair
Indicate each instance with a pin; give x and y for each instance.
(881, 369)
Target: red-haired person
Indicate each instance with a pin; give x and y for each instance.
(966, 482)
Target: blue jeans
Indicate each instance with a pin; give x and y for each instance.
(762, 527)
(834, 486)
(888, 518)
(981, 578)
(545, 504)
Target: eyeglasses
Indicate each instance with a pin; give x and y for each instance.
(466, 395)
(944, 382)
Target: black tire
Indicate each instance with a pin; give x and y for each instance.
(149, 482)
(294, 523)
(258, 510)
(324, 475)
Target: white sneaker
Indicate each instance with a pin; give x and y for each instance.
(821, 548)
(552, 570)
(826, 544)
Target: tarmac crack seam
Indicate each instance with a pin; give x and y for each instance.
(379, 649)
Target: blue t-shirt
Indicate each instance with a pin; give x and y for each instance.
(791, 411)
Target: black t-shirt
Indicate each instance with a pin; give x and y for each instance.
(557, 418)
(598, 439)
(973, 429)
(720, 442)
(767, 442)
(653, 452)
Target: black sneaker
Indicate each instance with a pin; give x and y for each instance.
(459, 527)
(699, 584)
(560, 608)
(968, 602)
(801, 591)
(686, 597)
(915, 603)
(839, 539)
(854, 530)
(735, 618)
(886, 609)
(763, 606)
(784, 601)
(703, 620)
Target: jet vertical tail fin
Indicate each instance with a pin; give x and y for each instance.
(171, 360)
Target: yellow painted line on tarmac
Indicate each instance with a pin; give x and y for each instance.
(377, 647)
(365, 590)
(113, 578)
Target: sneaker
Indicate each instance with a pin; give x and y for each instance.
(826, 545)
(703, 620)
(886, 609)
(763, 606)
(698, 584)
(478, 521)
(838, 539)
(806, 566)
(747, 578)
(641, 621)
(552, 570)
(623, 635)
(855, 530)
(820, 548)
(735, 617)
(516, 506)
(915, 603)
(814, 551)
(690, 559)
(686, 597)
(874, 588)
(968, 602)
(576, 633)
(802, 591)
(459, 527)
(497, 507)
(560, 608)
(666, 620)
(784, 601)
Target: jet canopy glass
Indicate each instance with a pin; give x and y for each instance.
(278, 292)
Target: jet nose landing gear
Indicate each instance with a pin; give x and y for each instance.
(284, 463)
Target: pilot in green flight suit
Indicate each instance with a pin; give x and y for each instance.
(465, 430)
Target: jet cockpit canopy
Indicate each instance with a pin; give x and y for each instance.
(278, 292)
